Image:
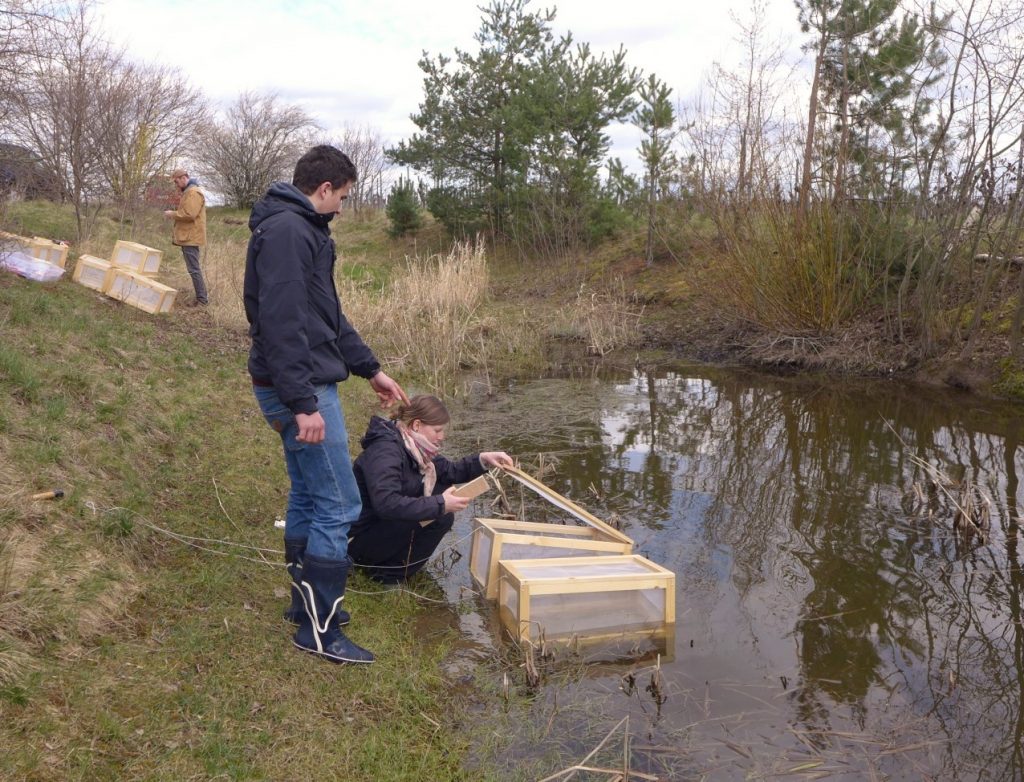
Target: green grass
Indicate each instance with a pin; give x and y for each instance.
(40, 218)
(125, 654)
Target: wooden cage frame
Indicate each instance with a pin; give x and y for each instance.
(502, 532)
(89, 262)
(513, 575)
(48, 250)
(566, 504)
(150, 257)
(133, 288)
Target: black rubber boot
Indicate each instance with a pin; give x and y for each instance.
(322, 586)
(293, 551)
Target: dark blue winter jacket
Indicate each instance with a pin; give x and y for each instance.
(300, 337)
(390, 483)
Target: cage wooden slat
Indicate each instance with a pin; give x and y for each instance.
(496, 539)
(565, 504)
(588, 596)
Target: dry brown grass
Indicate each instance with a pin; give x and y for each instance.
(434, 321)
(429, 319)
(607, 319)
(20, 612)
(224, 272)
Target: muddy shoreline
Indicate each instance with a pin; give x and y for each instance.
(861, 351)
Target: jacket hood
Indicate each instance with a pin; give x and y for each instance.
(284, 197)
(380, 429)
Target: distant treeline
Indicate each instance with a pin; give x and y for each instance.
(860, 180)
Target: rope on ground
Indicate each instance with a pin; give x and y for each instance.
(191, 541)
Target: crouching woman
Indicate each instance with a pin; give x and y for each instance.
(407, 489)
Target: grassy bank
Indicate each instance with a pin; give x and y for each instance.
(136, 643)
(142, 634)
(124, 652)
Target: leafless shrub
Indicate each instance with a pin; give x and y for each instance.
(365, 148)
(257, 142)
(152, 117)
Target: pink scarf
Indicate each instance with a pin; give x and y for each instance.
(423, 451)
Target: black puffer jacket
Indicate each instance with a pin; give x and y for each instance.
(300, 337)
(390, 483)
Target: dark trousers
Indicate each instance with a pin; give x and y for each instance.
(191, 255)
(392, 551)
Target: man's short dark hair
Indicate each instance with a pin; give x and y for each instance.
(323, 163)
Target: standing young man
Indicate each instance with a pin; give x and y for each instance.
(302, 346)
(189, 231)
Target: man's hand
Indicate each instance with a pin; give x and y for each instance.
(388, 391)
(168, 213)
(311, 427)
(496, 459)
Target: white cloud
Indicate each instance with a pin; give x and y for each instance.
(356, 63)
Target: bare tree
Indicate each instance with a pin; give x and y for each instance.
(61, 106)
(18, 21)
(152, 117)
(739, 135)
(969, 196)
(366, 149)
(257, 143)
(20, 169)
(754, 117)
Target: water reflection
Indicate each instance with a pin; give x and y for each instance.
(828, 608)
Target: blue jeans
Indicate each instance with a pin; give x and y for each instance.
(324, 498)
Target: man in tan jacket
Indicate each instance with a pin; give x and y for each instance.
(190, 228)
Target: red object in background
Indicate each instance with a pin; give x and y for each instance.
(162, 193)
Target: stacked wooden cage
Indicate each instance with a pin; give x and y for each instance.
(129, 276)
(564, 582)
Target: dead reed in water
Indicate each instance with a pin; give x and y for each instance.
(970, 502)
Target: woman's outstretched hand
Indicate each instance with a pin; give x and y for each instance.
(496, 459)
(453, 502)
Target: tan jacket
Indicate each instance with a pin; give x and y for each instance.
(190, 219)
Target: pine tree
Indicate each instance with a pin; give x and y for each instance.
(474, 138)
(513, 134)
(403, 209)
(656, 118)
(866, 53)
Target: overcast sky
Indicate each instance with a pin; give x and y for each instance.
(355, 63)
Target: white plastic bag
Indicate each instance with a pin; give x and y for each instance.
(29, 267)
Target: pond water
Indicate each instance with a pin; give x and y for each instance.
(834, 618)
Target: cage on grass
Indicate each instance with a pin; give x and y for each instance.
(36, 247)
(140, 291)
(93, 272)
(49, 251)
(137, 257)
